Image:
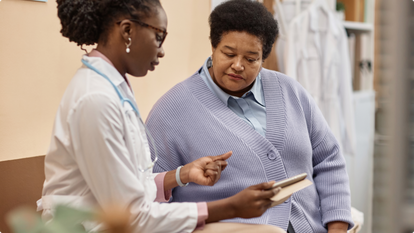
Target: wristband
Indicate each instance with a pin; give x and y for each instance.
(177, 177)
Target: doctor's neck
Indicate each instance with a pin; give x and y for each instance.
(112, 58)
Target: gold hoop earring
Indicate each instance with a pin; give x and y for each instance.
(127, 45)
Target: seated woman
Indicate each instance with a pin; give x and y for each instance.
(99, 153)
(267, 119)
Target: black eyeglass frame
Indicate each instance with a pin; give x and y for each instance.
(164, 32)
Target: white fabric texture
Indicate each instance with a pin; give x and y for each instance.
(317, 56)
(96, 149)
(285, 12)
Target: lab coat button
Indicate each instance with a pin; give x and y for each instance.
(271, 156)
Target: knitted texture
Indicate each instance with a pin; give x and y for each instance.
(190, 122)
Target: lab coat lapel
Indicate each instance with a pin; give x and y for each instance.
(329, 50)
(106, 68)
(304, 80)
(115, 77)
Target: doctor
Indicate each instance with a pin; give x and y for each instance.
(99, 152)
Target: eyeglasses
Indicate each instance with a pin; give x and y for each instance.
(160, 39)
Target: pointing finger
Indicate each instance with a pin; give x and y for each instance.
(224, 156)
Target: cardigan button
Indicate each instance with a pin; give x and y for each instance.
(271, 155)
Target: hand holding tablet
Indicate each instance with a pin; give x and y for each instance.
(288, 187)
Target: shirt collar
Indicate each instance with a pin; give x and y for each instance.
(109, 70)
(96, 53)
(256, 90)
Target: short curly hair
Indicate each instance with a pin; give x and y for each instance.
(243, 16)
(86, 22)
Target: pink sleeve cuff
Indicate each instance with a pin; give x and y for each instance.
(202, 215)
(162, 195)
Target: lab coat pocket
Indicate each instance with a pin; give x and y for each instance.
(310, 71)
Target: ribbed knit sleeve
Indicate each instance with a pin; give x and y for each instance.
(329, 172)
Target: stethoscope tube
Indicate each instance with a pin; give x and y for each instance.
(123, 100)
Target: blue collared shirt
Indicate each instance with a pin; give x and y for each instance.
(250, 107)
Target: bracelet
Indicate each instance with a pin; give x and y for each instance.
(177, 177)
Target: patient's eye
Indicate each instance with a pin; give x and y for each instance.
(251, 60)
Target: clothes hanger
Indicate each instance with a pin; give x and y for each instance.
(323, 4)
(277, 6)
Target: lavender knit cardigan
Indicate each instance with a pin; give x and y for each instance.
(190, 122)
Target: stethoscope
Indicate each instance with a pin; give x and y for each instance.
(123, 101)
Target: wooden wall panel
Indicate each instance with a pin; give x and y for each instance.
(21, 183)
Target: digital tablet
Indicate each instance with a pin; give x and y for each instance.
(289, 181)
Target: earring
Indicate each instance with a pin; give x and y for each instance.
(127, 45)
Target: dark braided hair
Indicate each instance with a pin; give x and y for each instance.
(243, 16)
(86, 22)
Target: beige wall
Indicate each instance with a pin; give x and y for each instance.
(36, 64)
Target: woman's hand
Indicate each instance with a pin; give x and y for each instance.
(254, 200)
(249, 203)
(337, 227)
(205, 170)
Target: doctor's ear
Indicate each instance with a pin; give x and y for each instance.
(125, 28)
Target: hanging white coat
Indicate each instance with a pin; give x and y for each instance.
(317, 56)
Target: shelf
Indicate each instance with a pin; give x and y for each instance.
(358, 26)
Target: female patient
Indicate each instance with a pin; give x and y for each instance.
(99, 152)
(268, 120)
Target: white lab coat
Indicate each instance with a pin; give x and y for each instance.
(317, 56)
(285, 12)
(96, 147)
